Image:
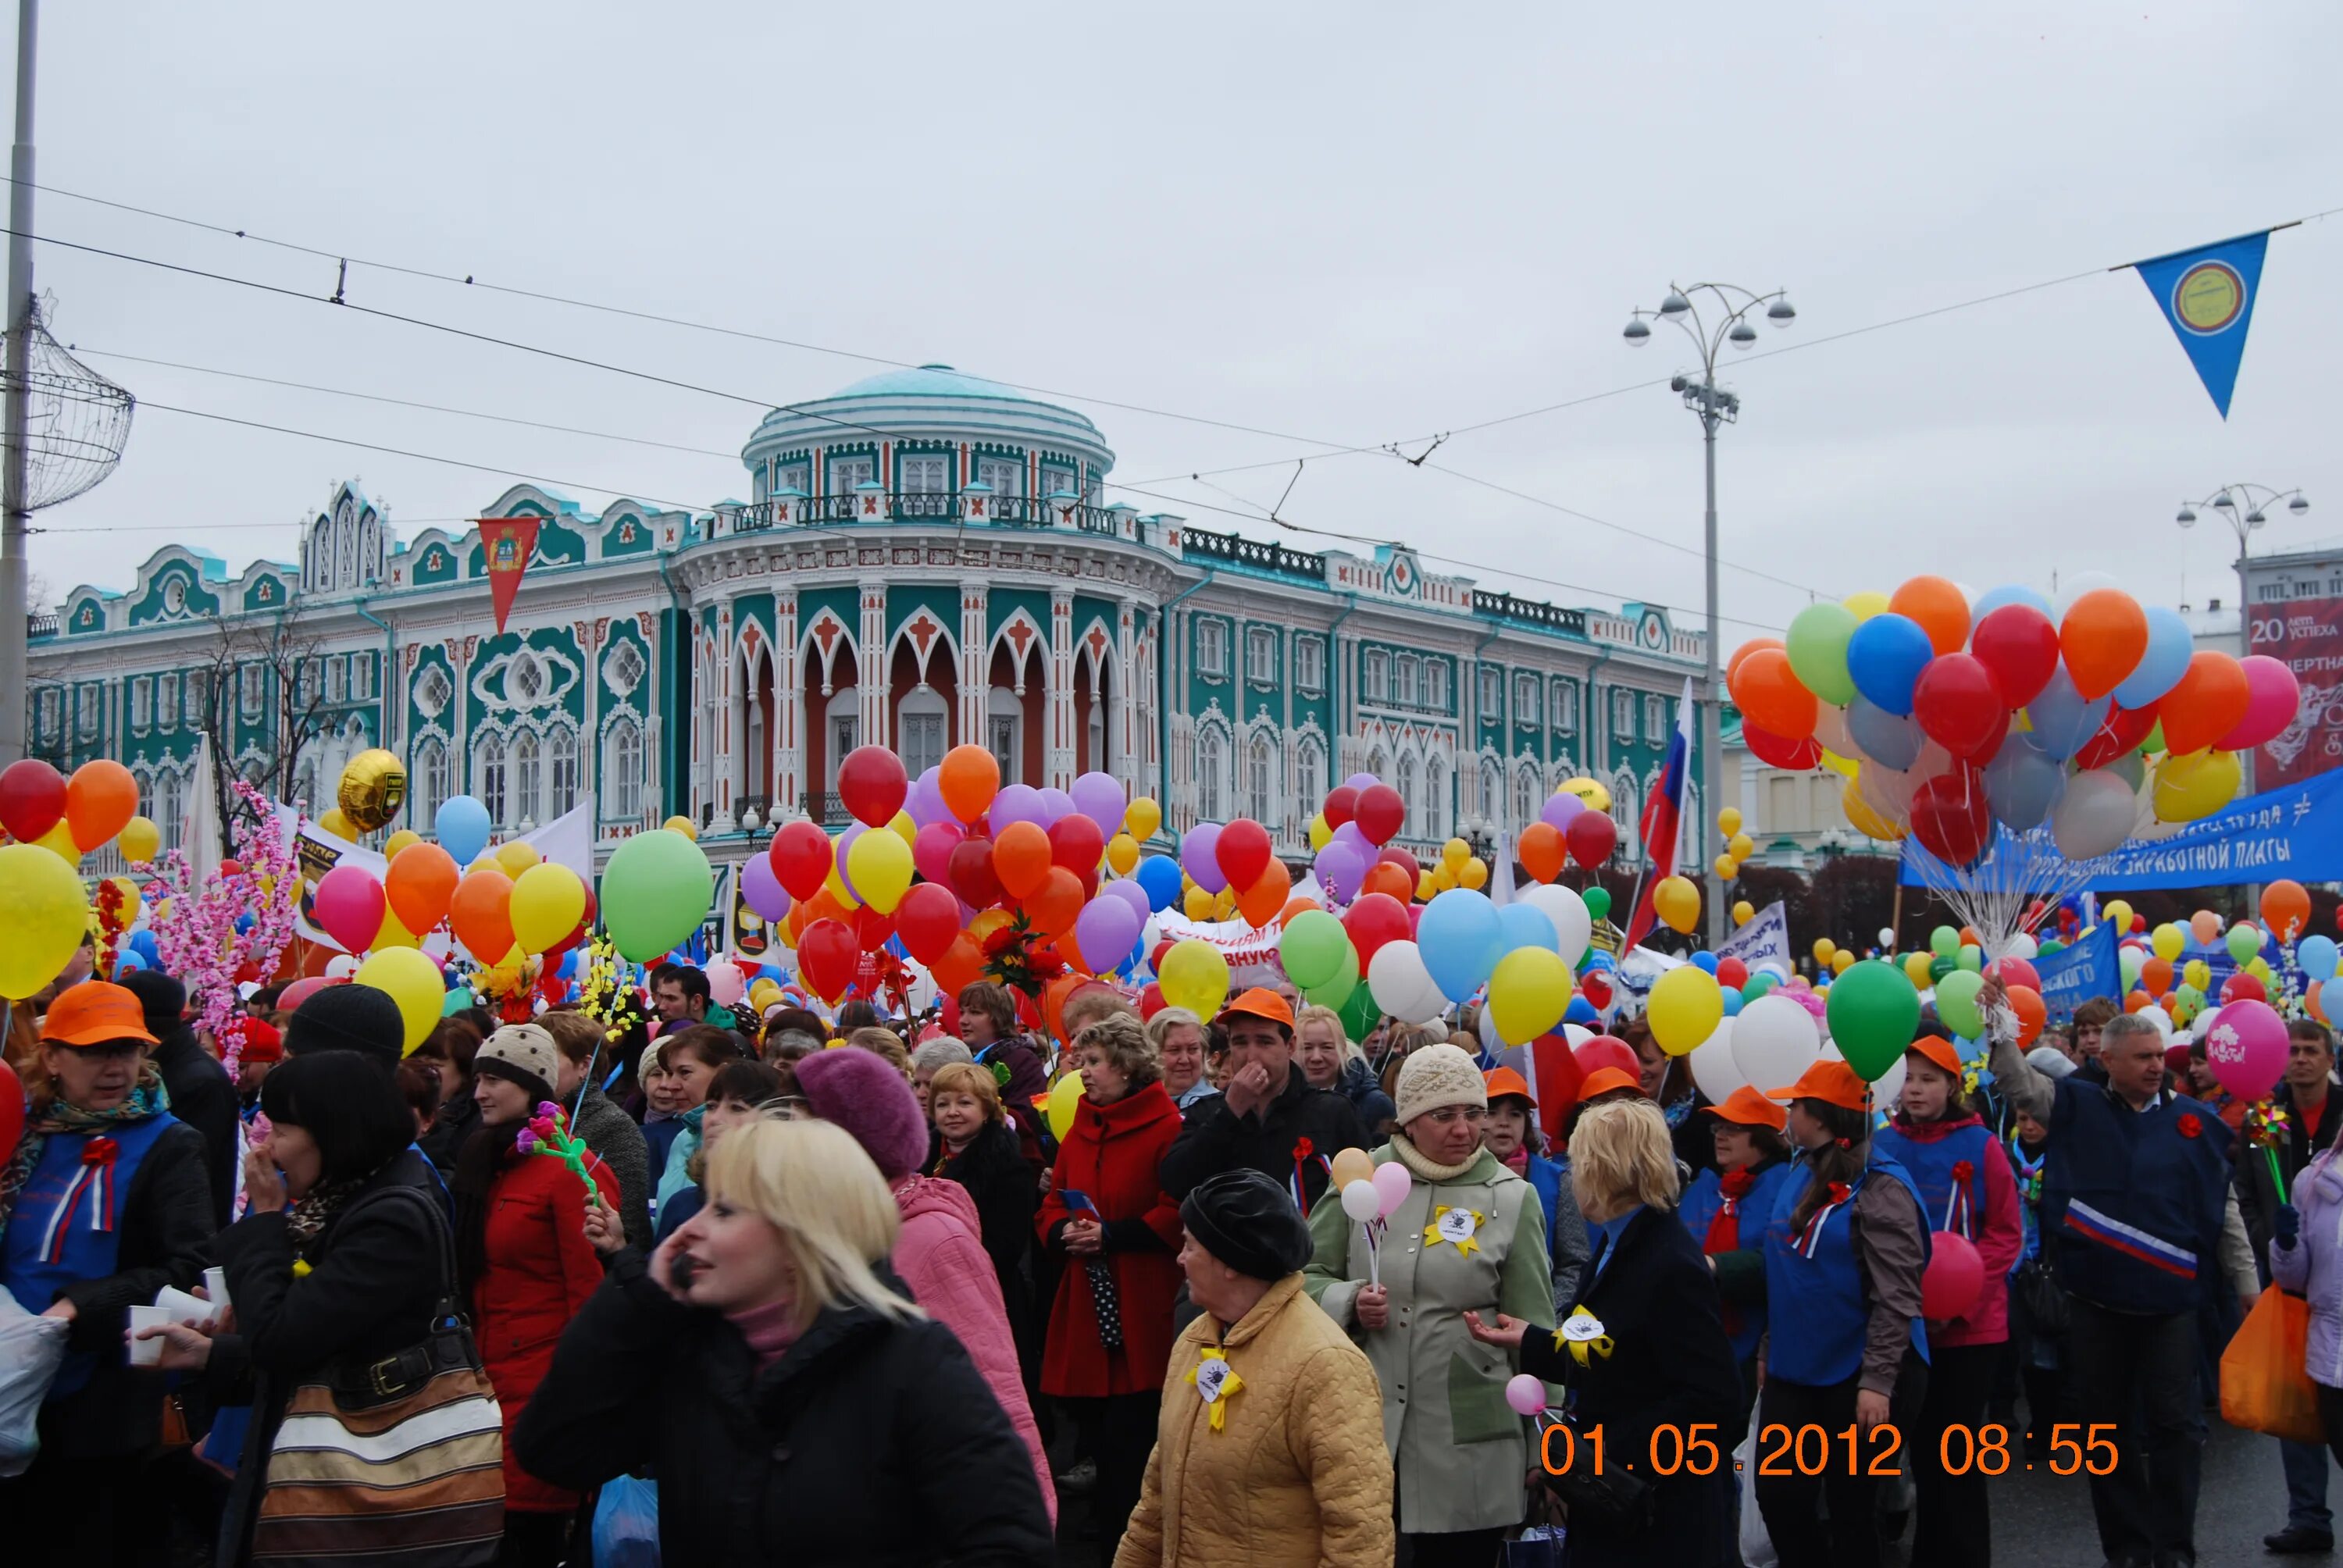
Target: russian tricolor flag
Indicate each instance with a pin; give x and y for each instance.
(1663, 817)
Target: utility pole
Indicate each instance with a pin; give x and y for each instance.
(15, 513)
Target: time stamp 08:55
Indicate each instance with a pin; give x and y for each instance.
(1811, 1449)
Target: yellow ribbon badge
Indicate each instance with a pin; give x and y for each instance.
(1582, 1334)
(1216, 1382)
(1454, 1225)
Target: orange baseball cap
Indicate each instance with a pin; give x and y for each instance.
(1832, 1083)
(1506, 1080)
(1603, 1080)
(1751, 1108)
(1939, 1052)
(96, 1012)
(1259, 1003)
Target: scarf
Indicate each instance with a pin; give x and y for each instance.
(1725, 1225)
(314, 1209)
(1423, 1166)
(147, 1098)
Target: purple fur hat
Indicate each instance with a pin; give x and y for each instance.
(862, 1092)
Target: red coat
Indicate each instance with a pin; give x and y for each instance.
(540, 1269)
(1110, 1153)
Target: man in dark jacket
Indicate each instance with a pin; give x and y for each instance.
(202, 1094)
(1267, 1117)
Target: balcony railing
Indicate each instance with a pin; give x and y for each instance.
(1245, 552)
(1529, 612)
(828, 810)
(914, 507)
(38, 624)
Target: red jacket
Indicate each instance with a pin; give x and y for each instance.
(540, 1269)
(1110, 1155)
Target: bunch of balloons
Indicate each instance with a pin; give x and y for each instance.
(55, 819)
(2090, 714)
(1738, 846)
(1574, 825)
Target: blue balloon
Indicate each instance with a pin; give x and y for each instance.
(2317, 956)
(242, 923)
(2014, 593)
(1461, 939)
(143, 943)
(1886, 739)
(1733, 1002)
(2023, 786)
(1704, 962)
(462, 824)
(1885, 657)
(1580, 1012)
(2062, 720)
(128, 961)
(1159, 878)
(2170, 644)
(1524, 926)
(569, 969)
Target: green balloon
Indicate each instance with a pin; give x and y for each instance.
(1972, 957)
(1758, 985)
(1598, 903)
(457, 1001)
(656, 891)
(2245, 941)
(1956, 1003)
(1818, 644)
(1359, 1013)
(2155, 741)
(1312, 948)
(1939, 967)
(1945, 942)
(1335, 989)
(1873, 1011)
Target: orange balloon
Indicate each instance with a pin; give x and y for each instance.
(960, 965)
(2206, 927)
(2286, 911)
(1969, 938)
(1383, 876)
(1941, 609)
(1055, 903)
(1021, 859)
(2138, 1001)
(2102, 639)
(1259, 903)
(1294, 907)
(481, 913)
(2156, 976)
(2026, 1003)
(100, 800)
(419, 881)
(1755, 645)
(1769, 695)
(1054, 998)
(2310, 1000)
(2207, 705)
(968, 777)
(1542, 852)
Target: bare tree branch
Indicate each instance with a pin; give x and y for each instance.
(277, 663)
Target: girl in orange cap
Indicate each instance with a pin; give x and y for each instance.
(1727, 1210)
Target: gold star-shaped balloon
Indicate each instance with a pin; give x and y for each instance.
(1216, 1382)
(1458, 1226)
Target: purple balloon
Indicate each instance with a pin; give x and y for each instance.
(926, 803)
(1340, 867)
(1106, 928)
(1360, 781)
(846, 842)
(1558, 811)
(1055, 804)
(1349, 838)
(1099, 796)
(1130, 893)
(762, 889)
(1198, 859)
(1017, 803)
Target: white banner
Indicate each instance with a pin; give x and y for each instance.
(1763, 943)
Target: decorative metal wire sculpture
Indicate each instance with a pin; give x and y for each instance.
(75, 420)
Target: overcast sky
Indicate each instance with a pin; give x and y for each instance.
(1345, 224)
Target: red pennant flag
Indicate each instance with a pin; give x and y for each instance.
(508, 543)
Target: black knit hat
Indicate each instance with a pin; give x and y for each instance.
(162, 999)
(1248, 1222)
(347, 1017)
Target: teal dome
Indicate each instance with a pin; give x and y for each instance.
(931, 403)
(928, 381)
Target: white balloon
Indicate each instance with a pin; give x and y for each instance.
(2023, 946)
(1887, 938)
(1774, 1041)
(1402, 986)
(2161, 1019)
(1890, 1086)
(1361, 1201)
(1576, 1034)
(1491, 1041)
(2074, 588)
(1713, 1071)
(2097, 813)
(341, 967)
(1573, 927)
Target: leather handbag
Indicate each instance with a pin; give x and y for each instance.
(397, 1461)
(1615, 1495)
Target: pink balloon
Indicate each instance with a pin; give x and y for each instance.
(348, 904)
(725, 984)
(1391, 1184)
(2273, 698)
(931, 851)
(2247, 1049)
(302, 990)
(1955, 1276)
(1525, 1393)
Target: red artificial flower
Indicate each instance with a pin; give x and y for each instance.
(1963, 1170)
(1840, 1192)
(2189, 1127)
(100, 1151)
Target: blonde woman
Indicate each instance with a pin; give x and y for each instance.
(1328, 1061)
(796, 1404)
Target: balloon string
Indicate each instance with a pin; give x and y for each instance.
(2276, 1181)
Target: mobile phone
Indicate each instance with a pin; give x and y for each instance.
(684, 1269)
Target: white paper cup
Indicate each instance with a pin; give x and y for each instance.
(215, 1286)
(146, 1352)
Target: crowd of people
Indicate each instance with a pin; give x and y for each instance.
(840, 1291)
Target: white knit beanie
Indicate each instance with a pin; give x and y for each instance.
(1438, 1075)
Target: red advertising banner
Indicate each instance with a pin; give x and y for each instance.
(506, 542)
(2306, 635)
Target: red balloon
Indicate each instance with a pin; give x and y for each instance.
(2119, 736)
(931, 851)
(1777, 751)
(1607, 1051)
(1155, 957)
(1954, 1277)
(969, 872)
(1150, 1001)
(1374, 920)
(1731, 972)
(32, 801)
(1951, 816)
(1342, 803)
(1076, 843)
(1394, 856)
(870, 782)
(1592, 836)
(871, 929)
(2020, 647)
(2243, 988)
(1389, 880)
(2015, 971)
(12, 1103)
(1243, 850)
(1959, 705)
(800, 855)
(1381, 813)
(828, 955)
(928, 918)
(1056, 904)
(1596, 989)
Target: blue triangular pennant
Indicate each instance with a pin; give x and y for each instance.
(2207, 295)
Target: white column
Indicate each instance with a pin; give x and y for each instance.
(1058, 759)
(727, 722)
(975, 660)
(1122, 722)
(789, 707)
(870, 662)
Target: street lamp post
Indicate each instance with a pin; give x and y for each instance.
(1730, 306)
(2244, 508)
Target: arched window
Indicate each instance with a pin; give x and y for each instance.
(561, 771)
(1261, 771)
(1626, 806)
(1436, 821)
(170, 807)
(1527, 801)
(623, 770)
(921, 719)
(1493, 791)
(1411, 825)
(528, 779)
(845, 720)
(488, 776)
(305, 787)
(426, 774)
(1211, 776)
(1005, 732)
(1309, 781)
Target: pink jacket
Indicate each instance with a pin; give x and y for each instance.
(940, 1254)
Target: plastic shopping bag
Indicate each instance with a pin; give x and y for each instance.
(2263, 1385)
(626, 1525)
(1757, 1546)
(32, 1349)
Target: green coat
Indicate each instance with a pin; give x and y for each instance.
(1460, 1450)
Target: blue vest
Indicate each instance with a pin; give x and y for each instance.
(2135, 1204)
(67, 1223)
(1814, 1292)
(1545, 1178)
(1744, 1325)
(1945, 1204)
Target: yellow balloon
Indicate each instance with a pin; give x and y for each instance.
(1454, 853)
(1728, 822)
(1351, 1165)
(2197, 785)
(547, 901)
(1862, 818)
(128, 888)
(1864, 605)
(987, 921)
(392, 934)
(2167, 941)
(1677, 903)
(1194, 975)
(1476, 874)
(1842, 961)
(1197, 904)
(373, 788)
(139, 840)
(1726, 868)
(1225, 904)
(1843, 766)
(1141, 818)
(1430, 884)
(399, 841)
(1529, 990)
(763, 994)
(881, 866)
(1065, 1097)
(1121, 854)
(1741, 846)
(44, 909)
(513, 859)
(339, 825)
(1320, 835)
(682, 824)
(59, 841)
(1916, 969)
(836, 880)
(903, 828)
(2196, 972)
(1686, 1008)
(1824, 949)
(1588, 790)
(410, 980)
(2116, 913)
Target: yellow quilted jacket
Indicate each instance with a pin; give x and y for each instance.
(1297, 1474)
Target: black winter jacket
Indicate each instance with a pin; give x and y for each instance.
(868, 1442)
(993, 1170)
(2257, 1195)
(204, 1097)
(1216, 1138)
